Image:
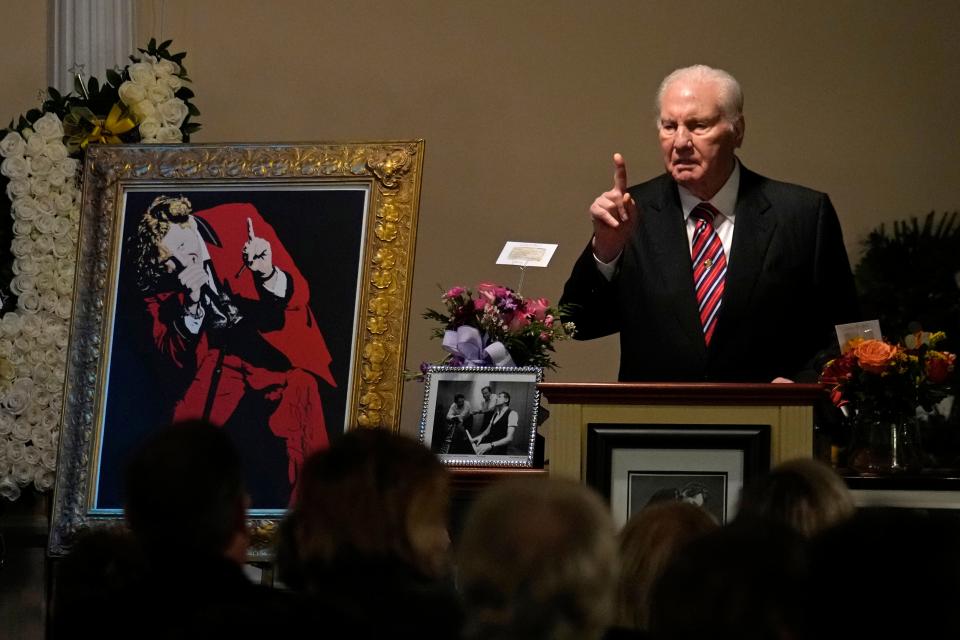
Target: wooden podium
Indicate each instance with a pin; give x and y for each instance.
(786, 408)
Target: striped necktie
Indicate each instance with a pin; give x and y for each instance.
(709, 267)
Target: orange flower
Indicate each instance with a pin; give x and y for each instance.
(875, 356)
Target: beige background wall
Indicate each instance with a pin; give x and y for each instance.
(522, 104)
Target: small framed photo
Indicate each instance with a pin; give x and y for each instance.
(481, 416)
(707, 465)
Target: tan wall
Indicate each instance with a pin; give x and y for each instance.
(23, 52)
(522, 104)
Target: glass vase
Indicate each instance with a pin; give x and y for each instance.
(885, 444)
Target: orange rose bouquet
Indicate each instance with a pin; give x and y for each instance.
(876, 376)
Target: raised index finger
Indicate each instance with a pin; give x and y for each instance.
(250, 229)
(619, 173)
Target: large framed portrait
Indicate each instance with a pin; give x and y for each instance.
(708, 465)
(262, 288)
(481, 416)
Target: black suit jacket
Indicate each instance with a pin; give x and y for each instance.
(788, 283)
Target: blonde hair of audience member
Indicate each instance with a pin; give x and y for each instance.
(648, 542)
(372, 494)
(805, 494)
(538, 560)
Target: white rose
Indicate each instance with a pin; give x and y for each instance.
(142, 73)
(39, 165)
(22, 283)
(23, 471)
(7, 371)
(70, 166)
(44, 479)
(57, 178)
(40, 186)
(164, 67)
(159, 93)
(131, 93)
(46, 281)
(45, 223)
(43, 245)
(149, 127)
(16, 358)
(32, 454)
(11, 323)
(174, 112)
(64, 247)
(6, 427)
(56, 151)
(21, 247)
(15, 449)
(18, 188)
(143, 109)
(15, 167)
(22, 228)
(49, 127)
(63, 285)
(26, 208)
(32, 326)
(16, 400)
(169, 134)
(64, 306)
(30, 301)
(36, 145)
(65, 268)
(174, 82)
(12, 144)
(49, 300)
(9, 489)
(63, 201)
(49, 459)
(6, 347)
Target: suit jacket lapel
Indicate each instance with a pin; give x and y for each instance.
(752, 231)
(668, 240)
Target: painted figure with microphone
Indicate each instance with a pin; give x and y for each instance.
(231, 311)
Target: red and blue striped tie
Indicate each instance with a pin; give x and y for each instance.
(709, 267)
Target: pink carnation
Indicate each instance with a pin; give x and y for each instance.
(537, 308)
(454, 292)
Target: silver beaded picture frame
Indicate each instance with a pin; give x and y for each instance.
(481, 416)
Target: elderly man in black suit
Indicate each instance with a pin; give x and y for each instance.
(710, 271)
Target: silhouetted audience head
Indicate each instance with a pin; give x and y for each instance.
(805, 494)
(648, 542)
(887, 573)
(743, 581)
(538, 560)
(184, 493)
(377, 494)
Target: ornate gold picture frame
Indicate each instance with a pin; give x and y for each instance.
(293, 332)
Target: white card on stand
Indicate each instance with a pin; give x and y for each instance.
(526, 254)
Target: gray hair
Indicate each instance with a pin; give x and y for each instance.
(731, 95)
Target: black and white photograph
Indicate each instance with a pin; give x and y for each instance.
(478, 416)
(707, 490)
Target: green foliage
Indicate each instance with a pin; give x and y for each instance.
(910, 275)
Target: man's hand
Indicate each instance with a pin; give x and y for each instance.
(614, 215)
(193, 277)
(257, 255)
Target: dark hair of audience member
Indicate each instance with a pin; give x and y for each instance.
(744, 581)
(648, 542)
(537, 560)
(184, 493)
(374, 493)
(370, 526)
(805, 494)
(886, 573)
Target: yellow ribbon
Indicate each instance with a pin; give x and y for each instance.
(83, 128)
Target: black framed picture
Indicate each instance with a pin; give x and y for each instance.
(635, 465)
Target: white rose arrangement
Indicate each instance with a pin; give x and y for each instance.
(40, 174)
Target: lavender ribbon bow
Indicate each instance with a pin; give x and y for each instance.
(466, 345)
